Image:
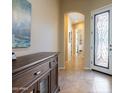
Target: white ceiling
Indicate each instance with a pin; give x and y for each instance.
(76, 17)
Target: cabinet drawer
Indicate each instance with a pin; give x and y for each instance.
(30, 75)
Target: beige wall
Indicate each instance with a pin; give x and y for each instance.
(44, 29)
(69, 43)
(84, 7)
(66, 35)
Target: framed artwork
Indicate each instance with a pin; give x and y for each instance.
(21, 23)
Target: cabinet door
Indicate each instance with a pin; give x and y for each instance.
(54, 79)
(44, 84)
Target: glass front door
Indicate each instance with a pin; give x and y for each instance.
(102, 40)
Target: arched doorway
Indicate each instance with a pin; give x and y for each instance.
(73, 36)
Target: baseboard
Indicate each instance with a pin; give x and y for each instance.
(61, 68)
(87, 68)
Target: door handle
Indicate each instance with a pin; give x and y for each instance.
(110, 49)
(110, 45)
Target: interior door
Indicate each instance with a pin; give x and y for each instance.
(101, 45)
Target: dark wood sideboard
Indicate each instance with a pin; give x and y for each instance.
(35, 73)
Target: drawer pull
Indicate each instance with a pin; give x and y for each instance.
(37, 73)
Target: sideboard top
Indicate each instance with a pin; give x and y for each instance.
(29, 60)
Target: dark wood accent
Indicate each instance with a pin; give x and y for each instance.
(54, 80)
(32, 73)
(101, 72)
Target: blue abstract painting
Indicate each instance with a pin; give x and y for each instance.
(21, 23)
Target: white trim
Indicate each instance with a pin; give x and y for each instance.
(87, 68)
(61, 68)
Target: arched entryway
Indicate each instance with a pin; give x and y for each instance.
(74, 38)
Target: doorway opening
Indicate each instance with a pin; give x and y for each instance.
(74, 39)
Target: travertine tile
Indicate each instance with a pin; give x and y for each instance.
(74, 79)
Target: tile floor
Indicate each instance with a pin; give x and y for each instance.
(74, 79)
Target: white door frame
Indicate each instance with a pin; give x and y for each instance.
(92, 66)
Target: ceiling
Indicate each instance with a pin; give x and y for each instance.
(76, 17)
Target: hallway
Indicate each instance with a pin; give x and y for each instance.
(73, 79)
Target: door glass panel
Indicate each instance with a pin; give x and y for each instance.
(101, 39)
(44, 86)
